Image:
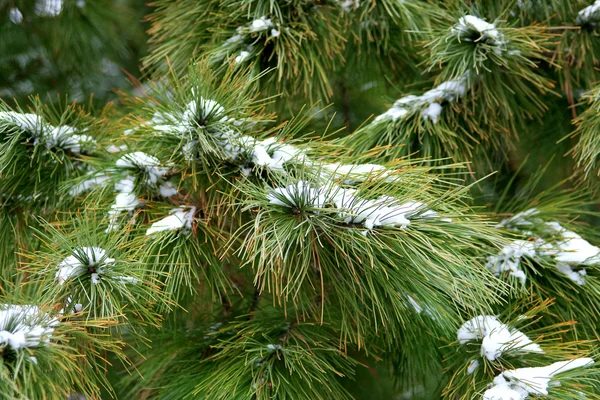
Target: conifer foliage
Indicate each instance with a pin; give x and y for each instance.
(299, 199)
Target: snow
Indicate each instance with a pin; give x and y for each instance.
(496, 337)
(588, 14)
(509, 259)
(24, 326)
(188, 150)
(186, 120)
(48, 8)
(349, 5)
(477, 328)
(432, 112)
(576, 276)
(473, 365)
(203, 109)
(281, 153)
(518, 384)
(503, 391)
(357, 170)
(298, 195)
(88, 184)
(126, 200)
(25, 121)
(15, 15)
(567, 248)
(79, 263)
(116, 149)
(167, 189)
(517, 221)
(275, 33)
(487, 30)
(145, 162)
(261, 24)
(429, 102)
(64, 137)
(352, 209)
(237, 38)
(417, 307)
(242, 56)
(384, 211)
(268, 153)
(572, 248)
(274, 347)
(179, 218)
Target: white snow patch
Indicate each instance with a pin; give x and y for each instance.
(48, 8)
(518, 384)
(520, 220)
(80, 262)
(349, 5)
(509, 259)
(167, 189)
(496, 337)
(24, 326)
(473, 365)
(126, 200)
(179, 218)
(589, 14)
(429, 102)
(88, 184)
(572, 248)
(25, 121)
(15, 15)
(469, 22)
(64, 137)
(567, 248)
(432, 112)
(298, 195)
(243, 56)
(261, 24)
(352, 209)
(145, 162)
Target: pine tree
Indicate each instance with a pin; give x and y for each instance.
(299, 199)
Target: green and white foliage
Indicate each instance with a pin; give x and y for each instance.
(295, 200)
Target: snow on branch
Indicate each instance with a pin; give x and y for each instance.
(429, 103)
(496, 337)
(179, 219)
(351, 208)
(565, 247)
(269, 153)
(64, 137)
(48, 8)
(84, 260)
(153, 175)
(92, 261)
(470, 23)
(24, 326)
(239, 42)
(518, 384)
(589, 15)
